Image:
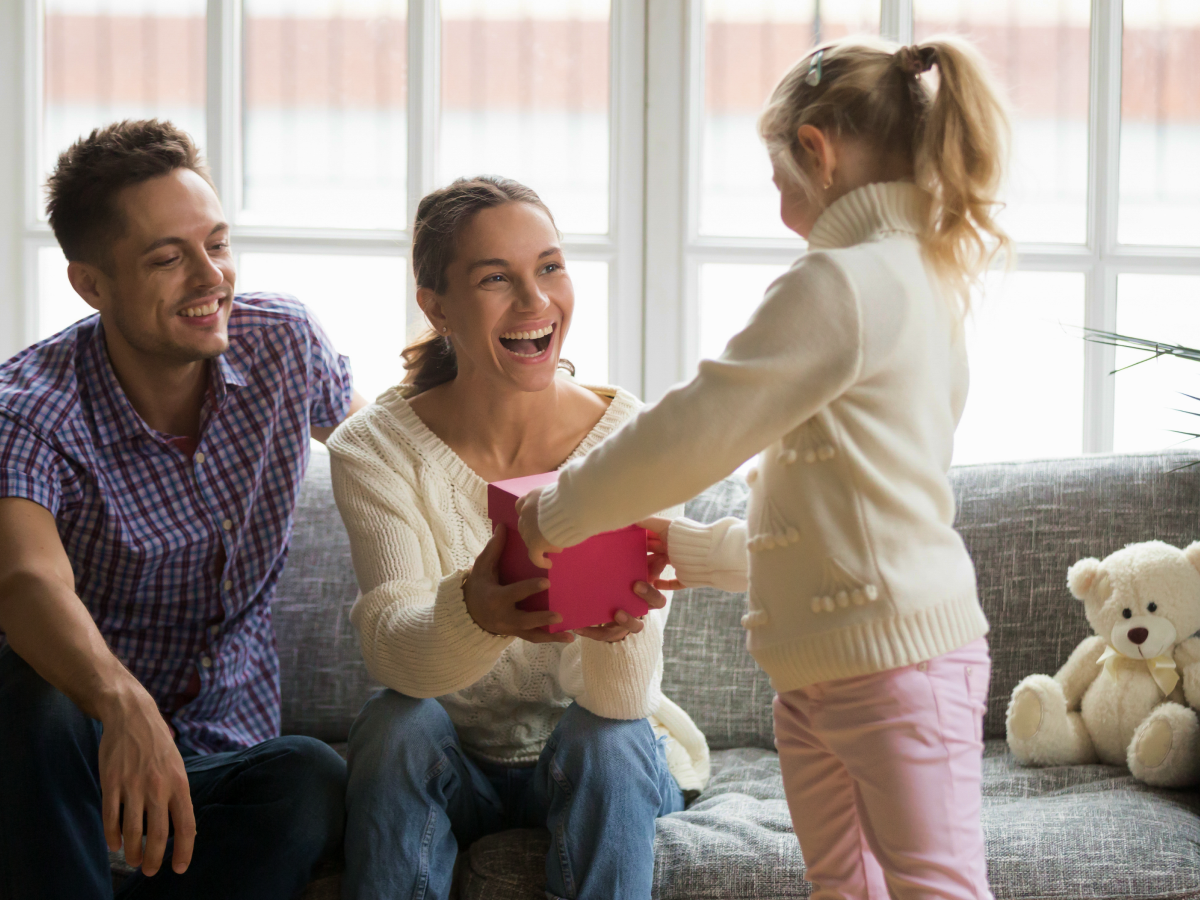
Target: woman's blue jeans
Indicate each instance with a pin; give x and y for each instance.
(414, 797)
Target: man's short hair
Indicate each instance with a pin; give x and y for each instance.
(81, 192)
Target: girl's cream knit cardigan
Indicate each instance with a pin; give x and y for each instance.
(417, 518)
(852, 375)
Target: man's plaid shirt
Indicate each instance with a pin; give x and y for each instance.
(177, 556)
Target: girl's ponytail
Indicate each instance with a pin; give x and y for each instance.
(960, 153)
(954, 136)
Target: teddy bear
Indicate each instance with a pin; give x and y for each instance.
(1127, 694)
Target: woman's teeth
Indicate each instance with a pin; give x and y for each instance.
(527, 335)
(527, 344)
(194, 312)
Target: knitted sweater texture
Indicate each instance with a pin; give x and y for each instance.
(848, 382)
(417, 518)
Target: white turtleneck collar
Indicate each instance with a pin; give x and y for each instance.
(868, 211)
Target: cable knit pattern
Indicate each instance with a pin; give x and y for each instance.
(848, 382)
(417, 518)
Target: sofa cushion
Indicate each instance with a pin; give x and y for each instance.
(1069, 832)
(323, 679)
(706, 667)
(1025, 523)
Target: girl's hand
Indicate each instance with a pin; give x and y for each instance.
(624, 624)
(493, 605)
(531, 534)
(656, 543)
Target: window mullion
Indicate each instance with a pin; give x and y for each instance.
(223, 108)
(896, 20)
(627, 173)
(1100, 311)
(670, 69)
(424, 94)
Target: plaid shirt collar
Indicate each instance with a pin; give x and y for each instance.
(113, 414)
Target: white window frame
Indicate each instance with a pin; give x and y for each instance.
(654, 249)
(675, 32)
(620, 248)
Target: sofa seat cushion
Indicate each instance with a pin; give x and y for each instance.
(1069, 832)
(1086, 831)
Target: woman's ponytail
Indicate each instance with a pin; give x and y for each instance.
(960, 154)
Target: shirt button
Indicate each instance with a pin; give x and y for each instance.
(228, 585)
(227, 524)
(198, 458)
(206, 662)
(970, 669)
(214, 630)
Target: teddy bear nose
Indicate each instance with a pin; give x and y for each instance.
(1138, 635)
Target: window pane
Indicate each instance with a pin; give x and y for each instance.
(1152, 401)
(1039, 52)
(587, 341)
(358, 299)
(525, 95)
(748, 46)
(107, 60)
(58, 304)
(360, 302)
(729, 293)
(325, 97)
(1160, 123)
(1026, 354)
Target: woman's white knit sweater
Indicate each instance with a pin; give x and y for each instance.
(850, 379)
(417, 518)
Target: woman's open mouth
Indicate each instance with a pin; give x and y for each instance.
(529, 345)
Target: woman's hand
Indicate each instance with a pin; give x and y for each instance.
(624, 624)
(656, 542)
(493, 605)
(531, 534)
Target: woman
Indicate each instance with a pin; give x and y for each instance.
(567, 731)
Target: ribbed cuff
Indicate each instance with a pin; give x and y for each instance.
(689, 545)
(554, 520)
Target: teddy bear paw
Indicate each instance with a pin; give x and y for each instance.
(1025, 712)
(1165, 746)
(1041, 731)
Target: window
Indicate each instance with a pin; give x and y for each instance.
(326, 120)
(1103, 200)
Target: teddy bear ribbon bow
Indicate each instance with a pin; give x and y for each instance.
(1162, 668)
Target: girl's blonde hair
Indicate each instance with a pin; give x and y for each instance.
(955, 136)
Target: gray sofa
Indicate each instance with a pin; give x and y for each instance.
(1085, 831)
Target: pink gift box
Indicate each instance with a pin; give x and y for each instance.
(588, 582)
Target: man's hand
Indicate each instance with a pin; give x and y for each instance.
(142, 771)
(493, 605)
(531, 534)
(50, 628)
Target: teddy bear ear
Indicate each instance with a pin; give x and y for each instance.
(1192, 552)
(1081, 577)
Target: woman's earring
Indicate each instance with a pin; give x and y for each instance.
(829, 182)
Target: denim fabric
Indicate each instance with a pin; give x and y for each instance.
(265, 816)
(414, 797)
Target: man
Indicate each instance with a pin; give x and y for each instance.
(149, 462)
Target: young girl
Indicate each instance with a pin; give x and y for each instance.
(848, 382)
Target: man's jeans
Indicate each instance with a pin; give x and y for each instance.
(264, 816)
(415, 797)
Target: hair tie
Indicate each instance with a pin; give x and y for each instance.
(914, 60)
